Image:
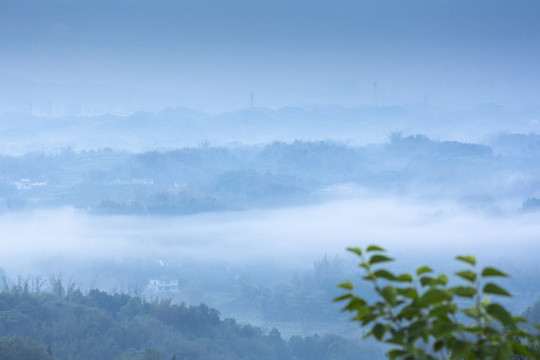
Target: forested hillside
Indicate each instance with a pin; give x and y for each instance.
(99, 325)
(204, 178)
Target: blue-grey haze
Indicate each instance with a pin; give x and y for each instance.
(239, 146)
(102, 56)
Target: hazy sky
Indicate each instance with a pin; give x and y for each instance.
(206, 54)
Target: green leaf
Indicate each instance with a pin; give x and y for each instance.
(494, 289)
(378, 331)
(378, 259)
(410, 293)
(404, 278)
(368, 317)
(490, 331)
(416, 329)
(426, 280)
(459, 348)
(396, 353)
(519, 319)
(356, 250)
(374, 248)
(389, 293)
(356, 304)
(347, 285)
(443, 328)
(433, 296)
(342, 297)
(518, 332)
(384, 274)
(489, 271)
(409, 312)
(463, 291)
(467, 275)
(501, 314)
(398, 337)
(469, 259)
(423, 269)
(473, 329)
(521, 349)
(442, 311)
(361, 312)
(370, 277)
(504, 351)
(471, 312)
(440, 280)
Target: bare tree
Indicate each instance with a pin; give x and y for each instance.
(37, 283)
(55, 283)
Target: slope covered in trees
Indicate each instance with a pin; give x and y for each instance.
(204, 178)
(99, 325)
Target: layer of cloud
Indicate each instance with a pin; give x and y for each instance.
(291, 237)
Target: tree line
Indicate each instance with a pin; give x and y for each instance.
(61, 322)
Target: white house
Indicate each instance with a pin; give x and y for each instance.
(163, 284)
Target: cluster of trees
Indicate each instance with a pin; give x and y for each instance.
(205, 178)
(64, 323)
(305, 298)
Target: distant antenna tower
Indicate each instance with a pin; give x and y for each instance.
(375, 96)
(251, 98)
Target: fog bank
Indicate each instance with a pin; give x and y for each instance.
(290, 237)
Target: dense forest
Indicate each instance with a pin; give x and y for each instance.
(64, 323)
(42, 320)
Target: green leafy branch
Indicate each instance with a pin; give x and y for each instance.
(420, 316)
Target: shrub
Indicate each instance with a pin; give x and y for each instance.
(420, 317)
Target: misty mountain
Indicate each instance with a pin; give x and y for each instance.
(180, 127)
